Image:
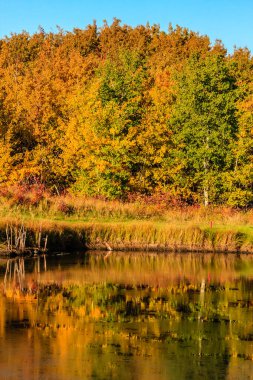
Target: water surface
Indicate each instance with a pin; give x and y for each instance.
(127, 316)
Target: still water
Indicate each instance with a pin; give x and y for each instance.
(127, 316)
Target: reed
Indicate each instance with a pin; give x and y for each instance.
(135, 235)
(68, 223)
(21, 240)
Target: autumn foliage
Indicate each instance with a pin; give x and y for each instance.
(121, 112)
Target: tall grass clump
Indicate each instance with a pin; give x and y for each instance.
(149, 223)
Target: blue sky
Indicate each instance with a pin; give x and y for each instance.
(228, 20)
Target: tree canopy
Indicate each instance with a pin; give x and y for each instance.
(119, 110)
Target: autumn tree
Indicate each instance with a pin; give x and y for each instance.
(117, 110)
(110, 117)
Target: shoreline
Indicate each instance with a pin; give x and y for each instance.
(136, 235)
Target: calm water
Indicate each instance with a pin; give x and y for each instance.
(127, 316)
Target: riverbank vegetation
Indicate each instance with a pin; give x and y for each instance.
(119, 112)
(67, 223)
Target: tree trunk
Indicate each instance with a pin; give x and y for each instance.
(206, 200)
(205, 189)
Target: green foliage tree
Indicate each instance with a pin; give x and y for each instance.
(109, 127)
(204, 125)
(239, 190)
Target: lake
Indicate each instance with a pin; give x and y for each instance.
(116, 315)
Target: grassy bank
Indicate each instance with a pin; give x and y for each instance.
(71, 223)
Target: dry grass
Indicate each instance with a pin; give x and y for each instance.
(135, 235)
(77, 223)
(82, 208)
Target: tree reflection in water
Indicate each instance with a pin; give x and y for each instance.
(129, 316)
